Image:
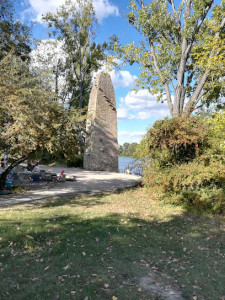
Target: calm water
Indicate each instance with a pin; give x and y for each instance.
(128, 161)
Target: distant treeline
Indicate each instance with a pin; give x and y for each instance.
(127, 149)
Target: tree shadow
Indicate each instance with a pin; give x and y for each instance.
(54, 253)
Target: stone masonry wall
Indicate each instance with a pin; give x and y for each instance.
(101, 151)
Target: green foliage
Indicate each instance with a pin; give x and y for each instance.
(195, 185)
(186, 163)
(128, 149)
(75, 161)
(217, 127)
(174, 141)
(181, 52)
(74, 25)
(31, 118)
(13, 34)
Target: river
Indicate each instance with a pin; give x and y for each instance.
(124, 162)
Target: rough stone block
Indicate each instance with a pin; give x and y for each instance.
(101, 150)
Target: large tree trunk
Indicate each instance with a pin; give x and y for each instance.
(4, 175)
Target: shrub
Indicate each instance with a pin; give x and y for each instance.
(75, 161)
(174, 141)
(187, 164)
(194, 185)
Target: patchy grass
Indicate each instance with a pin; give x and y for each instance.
(107, 247)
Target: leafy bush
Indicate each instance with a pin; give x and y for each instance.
(194, 185)
(187, 164)
(76, 161)
(174, 141)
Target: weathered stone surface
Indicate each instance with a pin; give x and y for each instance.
(101, 151)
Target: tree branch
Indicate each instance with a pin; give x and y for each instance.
(140, 3)
(199, 24)
(168, 95)
(189, 78)
(178, 16)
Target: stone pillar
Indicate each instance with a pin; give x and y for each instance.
(101, 147)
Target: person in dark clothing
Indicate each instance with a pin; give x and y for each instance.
(2, 163)
(30, 166)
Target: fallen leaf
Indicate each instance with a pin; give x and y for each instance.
(46, 268)
(29, 236)
(114, 298)
(67, 266)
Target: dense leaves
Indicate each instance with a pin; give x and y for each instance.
(75, 26)
(127, 149)
(180, 53)
(13, 34)
(174, 141)
(186, 162)
(31, 118)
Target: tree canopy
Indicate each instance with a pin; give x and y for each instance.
(127, 149)
(13, 34)
(181, 52)
(31, 118)
(75, 25)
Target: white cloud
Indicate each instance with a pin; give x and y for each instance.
(130, 137)
(38, 8)
(122, 79)
(123, 114)
(104, 9)
(144, 105)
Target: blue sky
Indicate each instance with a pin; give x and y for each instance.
(136, 111)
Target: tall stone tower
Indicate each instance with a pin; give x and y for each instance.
(101, 149)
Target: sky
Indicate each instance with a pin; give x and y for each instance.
(136, 112)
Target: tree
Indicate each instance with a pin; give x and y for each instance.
(169, 53)
(127, 149)
(75, 25)
(48, 60)
(31, 118)
(13, 34)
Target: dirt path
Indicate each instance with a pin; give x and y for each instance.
(86, 182)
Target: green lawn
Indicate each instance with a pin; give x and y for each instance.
(108, 247)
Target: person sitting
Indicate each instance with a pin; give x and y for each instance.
(128, 169)
(36, 168)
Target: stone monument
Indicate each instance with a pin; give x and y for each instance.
(101, 147)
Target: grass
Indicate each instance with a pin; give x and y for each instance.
(102, 247)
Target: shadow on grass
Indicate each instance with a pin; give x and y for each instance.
(79, 200)
(53, 255)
